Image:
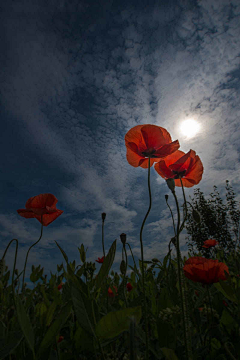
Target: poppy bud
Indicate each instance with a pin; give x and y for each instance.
(166, 197)
(171, 184)
(225, 303)
(196, 216)
(123, 238)
(103, 216)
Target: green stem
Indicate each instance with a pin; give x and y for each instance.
(134, 261)
(124, 276)
(28, 253)
(104, 254)
(182, 290)
(144, 295)
(95, 322)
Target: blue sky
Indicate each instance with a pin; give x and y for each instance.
(74, 79)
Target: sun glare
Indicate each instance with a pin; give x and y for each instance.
(190, 128)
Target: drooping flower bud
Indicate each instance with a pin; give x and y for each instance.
(123, 238)
(103, 216)
(166, 197)
(171, 184)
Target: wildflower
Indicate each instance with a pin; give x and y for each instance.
(60, 339)
(205, 271)
(111, 293)
(144, 141)
(210, 243)
(225, 303)
(196, 293)
(100, 260)
(129, 287)
(60, 286)
(187, 166)
(41, 205)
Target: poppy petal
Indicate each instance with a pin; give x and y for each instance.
(155, 136)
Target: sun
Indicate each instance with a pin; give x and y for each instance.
(189, 128)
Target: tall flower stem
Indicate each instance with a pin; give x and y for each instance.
(133, 260)
(144, 294)
(187, 339)
(28, 253)
(103, 218)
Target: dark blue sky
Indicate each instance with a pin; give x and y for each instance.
(75, 77)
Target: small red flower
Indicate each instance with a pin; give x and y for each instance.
(200, 309)
(210, 243)
(111, 293)
(224, 303)
(60, 339)
(43, 204)
(196, 293)
(188, 166)
(60, 286)
(143, 141)
(129, 287)
(100, 260)
(205, 271)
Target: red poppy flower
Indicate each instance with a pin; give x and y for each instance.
(110, 292)
(210, 243)
(143, 141)
(224, 303)
(100, 260)
(129, 287)
(188, 166)
(60, 339)
(43, 204)
(60, 286)
(205, 271)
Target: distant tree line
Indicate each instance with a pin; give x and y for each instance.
(219, 220)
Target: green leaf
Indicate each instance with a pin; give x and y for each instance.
(105, 268)
(115, 322)
(226, 290)
(142, 336)
(25, 323)
(196, 216)
(63, 252)
(54, 329)
(83, 341)
(50, 313)
(10, 343)
(82, 308)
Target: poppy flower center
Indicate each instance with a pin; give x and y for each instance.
(179, 173)
(149, 152)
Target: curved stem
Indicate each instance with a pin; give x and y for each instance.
(28, 253)
(134, 261)
(144, 295)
